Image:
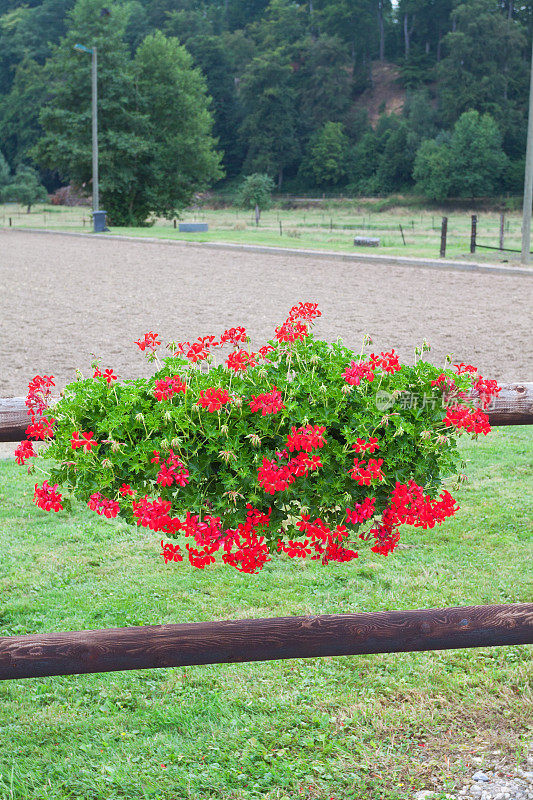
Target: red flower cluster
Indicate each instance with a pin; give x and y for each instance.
(305, 311)
(464, 418)
(386, 536)
(462, 368)
(291, 331)
(150, 342)
(153, 514)
(321, 540)
(43, 428)
(87, 441)
(126, 490)
(172, 471)
(39, 392)
(168, 387)
(410, 506)
(274, 477)
(486, 390)
(244, 548)
(47, 498)
(365, 473)
(213, 399)
(361, 511)
(251, 550)
(267, 403)
(234, 335)
(107, 375)
(306, 438)
(24, 451)
(171, 552)
(366, 445)
(103, 505)
(356, 372)
(387, 361)
(240, 360)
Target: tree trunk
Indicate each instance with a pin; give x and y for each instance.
(280, 177)
(381, 31)
(406, 35)
(28, 209)
(257, 215)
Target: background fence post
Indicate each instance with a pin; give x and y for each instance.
(401, 231)
(443, 233)
(473, 232)
(502, 228)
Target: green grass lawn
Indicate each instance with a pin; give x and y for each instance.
(379, 726)
(331, 226)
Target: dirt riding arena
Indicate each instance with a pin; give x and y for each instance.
(63, 298)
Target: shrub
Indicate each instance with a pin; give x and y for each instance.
(302, 448)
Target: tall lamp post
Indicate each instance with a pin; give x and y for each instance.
(528, 179)
(98, 215)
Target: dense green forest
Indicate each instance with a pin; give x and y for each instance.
(281, 88)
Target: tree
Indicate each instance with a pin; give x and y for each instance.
(212, 57)
(477, 158)
(432, 170)
(256, 192)
(470, 163)
(270, 125)
(19, 111)
(5, 179)
(484, 67)
(66, 117)
(181, 157)
(397, 160)
(27, 189)
(155, 144)
(328, 155)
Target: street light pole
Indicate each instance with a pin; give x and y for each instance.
(528, 179)
(98, 216)
(94, 68)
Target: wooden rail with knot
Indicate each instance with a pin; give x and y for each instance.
(154, 646)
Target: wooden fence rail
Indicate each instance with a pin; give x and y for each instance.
(513, 406)
(231, 641)
(155, 646)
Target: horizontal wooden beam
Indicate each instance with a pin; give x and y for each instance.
(182, 645)
(513, 406)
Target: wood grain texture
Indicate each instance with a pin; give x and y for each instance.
(109, 650)
(513, 406)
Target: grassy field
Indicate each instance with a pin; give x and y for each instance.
(332, 226)
(343, 728)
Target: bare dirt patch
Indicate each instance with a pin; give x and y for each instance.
(64, 298)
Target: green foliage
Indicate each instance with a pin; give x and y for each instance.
(5, 179)
(155, 144)
(274, 431)
(256, 191)
(277, 73)
(432, 170)
(270, 124)
(180, 157)
(328, 155)
(26, 188)
(470, 164)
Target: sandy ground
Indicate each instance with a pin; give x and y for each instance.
(63, 298)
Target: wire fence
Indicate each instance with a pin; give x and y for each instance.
(336, 227)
